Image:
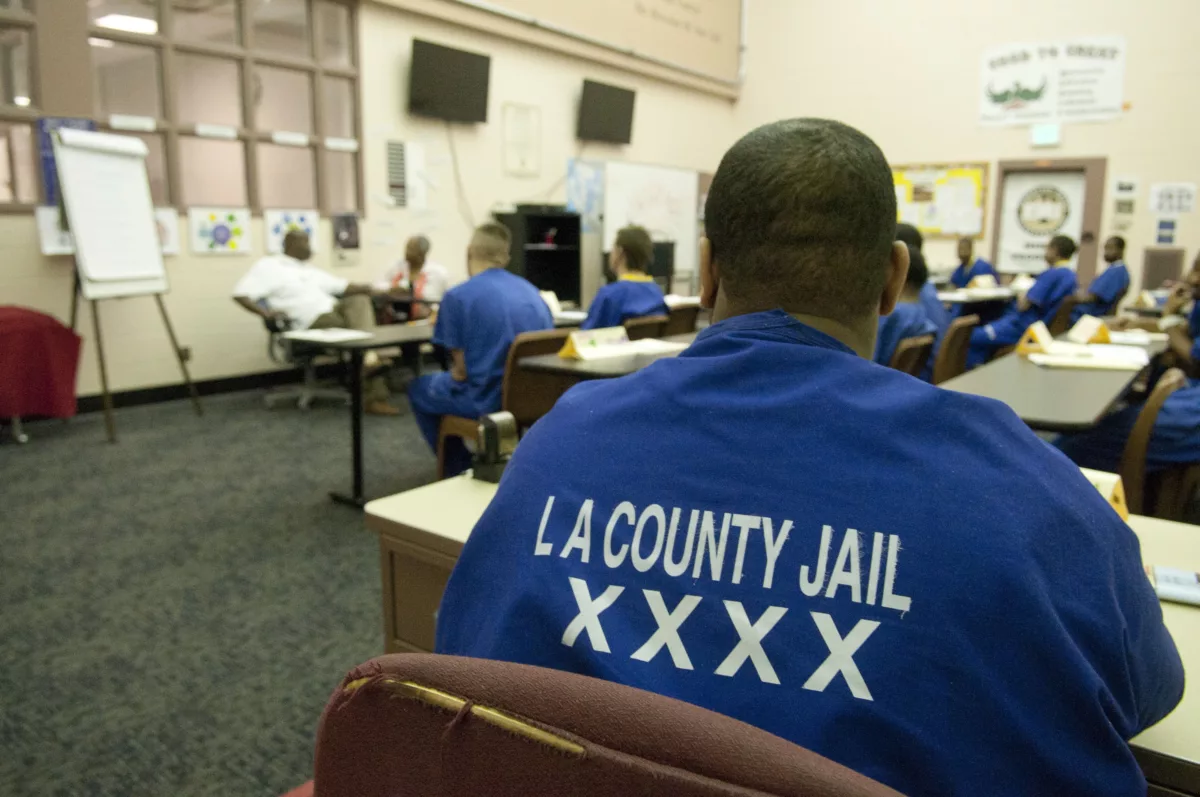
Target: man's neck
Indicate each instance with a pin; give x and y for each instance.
(861, 338)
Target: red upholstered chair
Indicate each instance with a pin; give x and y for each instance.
(420, 724)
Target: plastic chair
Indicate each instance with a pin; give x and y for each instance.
(421, 724)
(528, 395)
(295, 354)
(951, 358)
(912, 354)
(651, 326)
(1165, 493)
(682, 320)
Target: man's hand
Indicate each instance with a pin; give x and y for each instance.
(1178, 298)
(458, 365)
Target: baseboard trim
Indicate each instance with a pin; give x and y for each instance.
(207, 387)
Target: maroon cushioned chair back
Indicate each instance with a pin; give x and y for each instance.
(421, 724)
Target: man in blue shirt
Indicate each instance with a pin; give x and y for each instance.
(935, 311)
(1182, 326)
(1039, 304)
(634, 294)
(901, 578)
(476, 323)
(909, 319)
(969, 266)
(1101, 297)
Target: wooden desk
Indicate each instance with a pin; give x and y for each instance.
(422, 532)
(607, 368)
(1048, 399)
(976, 295)
(383, 338)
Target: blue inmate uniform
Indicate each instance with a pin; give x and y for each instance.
(1107, 288)
(908, 320)
(778, 530)
(631, 296)
(936, 312)
(481, 316)
(963, 275)
(1045, 295)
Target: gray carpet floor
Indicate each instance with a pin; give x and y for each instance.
(176, 608)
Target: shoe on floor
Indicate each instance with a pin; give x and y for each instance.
(380, 408)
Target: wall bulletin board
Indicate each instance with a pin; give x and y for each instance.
(942, 200)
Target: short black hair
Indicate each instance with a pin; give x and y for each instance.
(918, 271)
(1063, 245)
(908, 234)
(1118, 240)
(638, 248)
(801, 215)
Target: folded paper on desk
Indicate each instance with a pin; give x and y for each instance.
(1173, 584)
(597, 344)
(675, 300)
(1111, 487)
(571, 316)
(983, 281)
(1136, 337)
(331, 335)
(1097, 356)
(551, 300)
(1090, 329)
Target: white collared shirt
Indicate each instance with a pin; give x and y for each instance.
(300, 290)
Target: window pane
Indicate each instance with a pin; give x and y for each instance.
(286, 177)
(18, 171)
(213, 171)
(211, 22)
(208, 90)
(283, 100)
(130, 16)
(126, 79)
(338, 102)
(156, 167)
(341, 181)
(14, 66)
(17, 5)
(337, 48)
(281, 26)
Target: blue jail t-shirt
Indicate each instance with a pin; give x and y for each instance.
(963, 275)
(1194, 331)
(908, 320)
(935, 311)
(631, 296)
(1045, 295)
(1174, 440)
(901, 578)
(1107, 288)
(482, 316)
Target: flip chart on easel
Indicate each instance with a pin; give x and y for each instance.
(106, 195)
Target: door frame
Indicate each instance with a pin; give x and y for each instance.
(1094, 186)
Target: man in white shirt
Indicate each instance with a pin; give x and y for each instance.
(417, 277)
(287, 287)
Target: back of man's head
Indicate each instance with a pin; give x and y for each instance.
(1064, 246)
(918, 271)
(638, 248)
(801, 216)
(490, 244)
(910, 235)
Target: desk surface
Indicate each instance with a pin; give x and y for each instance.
(384, 336)
(606, 368)
(446, 511)
(976, 295)
(1051, 399)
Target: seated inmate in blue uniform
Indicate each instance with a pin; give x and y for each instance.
(1181, 325)
(1101, 297)
(476, 323)
(1039, 304)
(909, 319)
(634, 294)
(901, 578)
(969, 266)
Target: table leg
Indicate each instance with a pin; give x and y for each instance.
(17, 434)
(356, 412)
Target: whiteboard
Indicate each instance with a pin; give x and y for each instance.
(106, 195)
(659, 198)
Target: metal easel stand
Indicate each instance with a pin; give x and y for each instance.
(110, 422)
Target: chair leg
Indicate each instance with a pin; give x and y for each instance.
(17, 433)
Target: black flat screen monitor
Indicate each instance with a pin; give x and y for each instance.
(448, 84)
(605, 113)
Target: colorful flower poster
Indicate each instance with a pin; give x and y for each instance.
(278, 223)
(219, 231)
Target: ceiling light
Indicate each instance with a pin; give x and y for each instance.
(128, 24)
(22, 101)
(92, 40)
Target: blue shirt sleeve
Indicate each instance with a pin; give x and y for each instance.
(1109, 285)
(1050, 288)
(448, 331)
(960, 277)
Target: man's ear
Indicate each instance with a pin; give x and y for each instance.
(710, 280)
(896, 275)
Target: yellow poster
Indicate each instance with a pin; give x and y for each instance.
(942, 200)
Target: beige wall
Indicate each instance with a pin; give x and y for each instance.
(905, 73)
